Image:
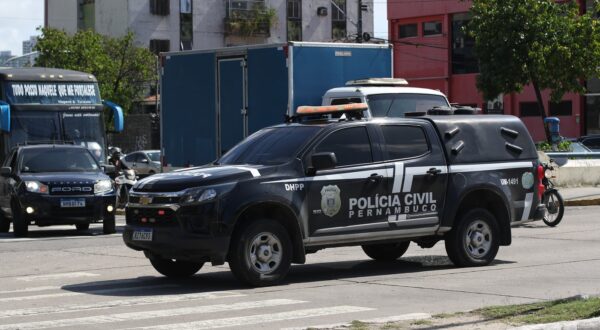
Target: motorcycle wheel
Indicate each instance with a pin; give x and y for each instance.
(122, 196)
(556, 207)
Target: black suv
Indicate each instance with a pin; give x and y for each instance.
(296, 188)
(54, 185)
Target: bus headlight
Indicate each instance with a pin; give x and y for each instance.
(36, 187)
(102, 186)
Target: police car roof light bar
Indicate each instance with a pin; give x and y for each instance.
(330, 109)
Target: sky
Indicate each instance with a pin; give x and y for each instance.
(20, 18)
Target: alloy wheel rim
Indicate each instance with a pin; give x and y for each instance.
(478, 239)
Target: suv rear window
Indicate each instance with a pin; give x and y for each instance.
(404, 141)
(396, 105)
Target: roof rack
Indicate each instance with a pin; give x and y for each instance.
(386, 82)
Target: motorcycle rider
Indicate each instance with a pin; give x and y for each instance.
(115, 160)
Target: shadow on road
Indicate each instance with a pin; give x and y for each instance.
(223, 280)
(53, 232)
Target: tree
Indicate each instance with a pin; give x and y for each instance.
(544, 43)
(122, 69)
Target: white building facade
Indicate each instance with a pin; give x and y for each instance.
(171, 25)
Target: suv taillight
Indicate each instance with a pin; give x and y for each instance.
(541, 173)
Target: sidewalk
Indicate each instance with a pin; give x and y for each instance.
(580, 196)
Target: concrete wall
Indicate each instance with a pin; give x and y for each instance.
(575, 172)
(111, 18)
(138, 134)
(147, 26)
(62, 14)
(209, 24)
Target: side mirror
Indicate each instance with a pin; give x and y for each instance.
(323, 160)
(144, 160)
(5, 171)
(108, 169)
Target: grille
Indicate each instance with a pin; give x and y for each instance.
(151, 216)
(68, 190)
(155, 200)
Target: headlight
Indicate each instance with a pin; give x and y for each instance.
(548, 173)
(36, 187)
(198, 195)
(102, 186)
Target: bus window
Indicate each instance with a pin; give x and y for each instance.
(34, 126)
(86, 129)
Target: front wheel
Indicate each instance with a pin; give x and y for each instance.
(261, 253)
(386, 252)
(555, 206)
(175, 268)
(474, 239)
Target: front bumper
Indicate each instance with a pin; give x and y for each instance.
(47, 209)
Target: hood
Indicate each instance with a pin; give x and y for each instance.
(65, 177)
(196, 177)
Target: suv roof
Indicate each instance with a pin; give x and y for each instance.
(353, 90)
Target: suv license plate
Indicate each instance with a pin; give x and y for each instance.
(79, 202)
(142, 235)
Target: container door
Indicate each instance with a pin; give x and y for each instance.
(232, 103)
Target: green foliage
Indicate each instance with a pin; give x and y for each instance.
(537, 41)
(561, 146)
(258, 20)
(122, 69)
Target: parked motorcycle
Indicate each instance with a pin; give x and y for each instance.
(123, 182)
(551, 198)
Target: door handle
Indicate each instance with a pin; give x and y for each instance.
(374, 178)
(434, 171)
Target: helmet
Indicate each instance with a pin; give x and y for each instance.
(115, 152)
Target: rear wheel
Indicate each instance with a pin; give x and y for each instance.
(261, 253)
(4, 224)
(386, 252)
(108, 224)
(475, 239)
(555, 206)
(20, 225)
(175, 268)
(82, 226)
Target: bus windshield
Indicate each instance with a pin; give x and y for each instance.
(86, 129)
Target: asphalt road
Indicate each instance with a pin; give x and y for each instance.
(60, 278)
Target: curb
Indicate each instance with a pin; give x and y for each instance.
(564, 325)
(383, 320)
(582, 202)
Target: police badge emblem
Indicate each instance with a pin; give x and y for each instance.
(330, 200)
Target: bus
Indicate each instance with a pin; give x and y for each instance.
(44, 105)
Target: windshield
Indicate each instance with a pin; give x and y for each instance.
(86, 129)
(34, 126)
(270, 146)
(38, 160)
(396, 105)
(154, 156)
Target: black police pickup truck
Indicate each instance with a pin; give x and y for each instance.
(54, 185)
(296, 188)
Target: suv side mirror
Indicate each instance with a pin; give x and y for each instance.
(108, 169)
(323, 160)
(144, 161)
(5, 171)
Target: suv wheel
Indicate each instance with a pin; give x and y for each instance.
(4, 224)
(474, 242)
(20, 225)
(261, 253)
(386, 252)
(108, 224)
(82, 226)
(175, 268)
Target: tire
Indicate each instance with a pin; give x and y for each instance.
(4, 224)
(20, 225)
(475, 239)
(175, 268)
(82, 226)
(151, 172)
(261, 253)
(556, 207)
(386, 252)
(108, 224)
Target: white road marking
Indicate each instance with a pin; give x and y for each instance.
(136, 316)
(260, 318)
(380, 320)
(34, 289)
(31, 278)
(119, 303)
(101, 291)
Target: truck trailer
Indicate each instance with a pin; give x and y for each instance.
(213, 99)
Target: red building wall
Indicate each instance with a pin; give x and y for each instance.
(426, 61)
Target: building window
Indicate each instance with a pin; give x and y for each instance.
(463, 54)
(562, 108)
(159, 7)
(186, 26)
(158, 46)
(294, 20)
(338, 19)
(407, 31)
(86, 15)
(432, 28)
(529, 109)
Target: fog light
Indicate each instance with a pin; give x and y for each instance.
(110, 208)
(29, 210)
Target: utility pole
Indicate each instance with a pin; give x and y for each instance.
(359, 29)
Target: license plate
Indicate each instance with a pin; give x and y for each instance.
(78, 202)
(142, 235)
(145, 200)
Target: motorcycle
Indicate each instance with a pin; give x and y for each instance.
(551, 197)
(123, 182)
